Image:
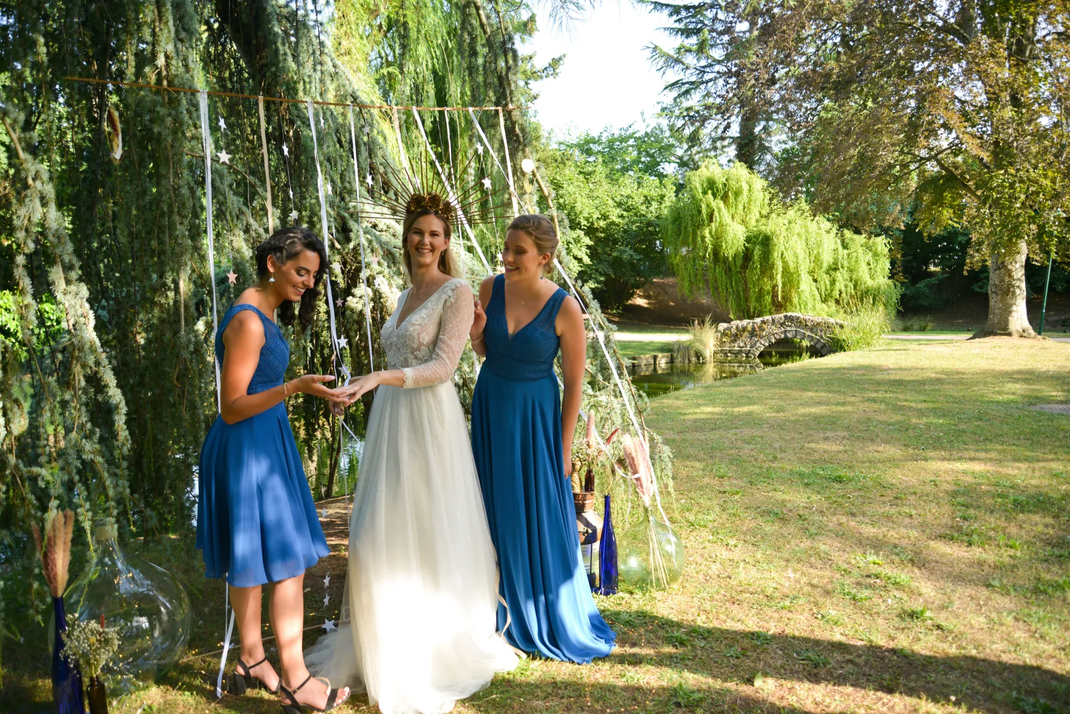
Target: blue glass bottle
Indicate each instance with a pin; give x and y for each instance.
(66, 678)
(607, 581)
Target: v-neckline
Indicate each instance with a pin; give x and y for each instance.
(399, 323)
(505, 313)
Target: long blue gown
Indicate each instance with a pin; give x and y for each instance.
(256, 522)
(516, 440)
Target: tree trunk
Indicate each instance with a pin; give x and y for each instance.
(1006, 294)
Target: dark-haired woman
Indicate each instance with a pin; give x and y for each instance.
(256, 522)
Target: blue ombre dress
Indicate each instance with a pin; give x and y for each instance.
(256, 522)
(516, 439)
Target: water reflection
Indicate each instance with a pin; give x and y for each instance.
(668, 379)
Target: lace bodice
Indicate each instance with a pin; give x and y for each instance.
(274, 355)
(427, 345)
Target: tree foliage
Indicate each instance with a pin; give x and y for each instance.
(613, 188)
(106, 378)
(958, 107)
(729, 233)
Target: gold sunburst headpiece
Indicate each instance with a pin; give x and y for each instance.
(422, 189)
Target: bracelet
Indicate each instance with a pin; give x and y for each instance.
(285, 390)
(477, 339)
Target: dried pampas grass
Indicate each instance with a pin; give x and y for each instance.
(55, 551)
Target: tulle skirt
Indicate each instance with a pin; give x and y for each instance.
(421, 593)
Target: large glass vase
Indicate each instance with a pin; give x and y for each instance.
(650, 555)
(147, 606)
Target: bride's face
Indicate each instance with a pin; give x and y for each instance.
(426, 241)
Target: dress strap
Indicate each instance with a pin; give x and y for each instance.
(556, 301)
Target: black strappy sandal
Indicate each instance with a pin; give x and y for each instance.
(238, 682)
(297, 707)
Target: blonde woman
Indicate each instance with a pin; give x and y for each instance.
(521, 438)
(421, 590)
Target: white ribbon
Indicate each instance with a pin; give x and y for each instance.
(226, 645)
(206, 140)
(326, 242)
(360, 230)
(486, 143)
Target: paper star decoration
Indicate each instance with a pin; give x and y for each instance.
(326, 599)
(336, 267)
(222, 124)
(486, 182)
(329, 192)
(232, 277)
(293, 217)
(285, 150)
(339, 302)
(321, 121)
(329, 625)
(324, 511)
(374, 260)
(479, 148)
(327, 580)
(367, 129)
(369, 179)
(224, 157)
(342, 342)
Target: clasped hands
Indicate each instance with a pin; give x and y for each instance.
(339, 397)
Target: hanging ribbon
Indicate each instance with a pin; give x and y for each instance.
(326, 242)
(267, 170)
(360, 231)
(414, 181)
(206, 140)
(452, 193)
(512, 192)
(505, 146)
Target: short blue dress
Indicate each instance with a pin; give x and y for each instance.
(516, 441)
(256, 522)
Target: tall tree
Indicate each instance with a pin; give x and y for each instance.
(958, 107)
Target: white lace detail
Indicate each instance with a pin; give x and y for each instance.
(428, 344)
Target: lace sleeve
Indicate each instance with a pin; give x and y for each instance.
(457, 315)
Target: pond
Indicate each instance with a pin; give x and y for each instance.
(665, 380)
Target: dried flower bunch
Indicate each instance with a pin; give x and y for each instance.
(89, 645)
(55, 550)
(637, 456)
(594, 451)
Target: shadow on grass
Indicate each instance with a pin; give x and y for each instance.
(982, 685)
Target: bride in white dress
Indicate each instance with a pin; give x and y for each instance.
(422, 588)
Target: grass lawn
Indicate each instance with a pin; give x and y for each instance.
(634, 340)
(879, 531)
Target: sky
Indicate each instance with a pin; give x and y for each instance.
(606, 79)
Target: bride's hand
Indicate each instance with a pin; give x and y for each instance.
(358, 387)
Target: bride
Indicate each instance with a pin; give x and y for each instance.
(421, 593)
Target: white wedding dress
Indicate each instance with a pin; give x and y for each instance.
(421, 594)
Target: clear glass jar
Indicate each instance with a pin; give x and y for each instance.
(142, 601)
(650, 555)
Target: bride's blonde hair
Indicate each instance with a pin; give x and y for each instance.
(447, 262)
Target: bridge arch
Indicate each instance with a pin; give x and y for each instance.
(791, 333)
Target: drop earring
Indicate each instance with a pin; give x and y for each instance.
(272, 278)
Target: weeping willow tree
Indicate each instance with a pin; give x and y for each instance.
(106, 313)
(727, 232)
(106, 385)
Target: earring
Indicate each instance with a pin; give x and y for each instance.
(272, 279)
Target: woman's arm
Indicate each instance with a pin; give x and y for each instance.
(570, 329)
(243, 338)
(479, 317)
(452, 336)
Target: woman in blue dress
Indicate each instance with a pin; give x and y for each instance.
(256, 522)
(522, 442)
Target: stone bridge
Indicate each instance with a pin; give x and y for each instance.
(745, 339)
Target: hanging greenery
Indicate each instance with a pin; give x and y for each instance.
(728, 233)
(106, 312)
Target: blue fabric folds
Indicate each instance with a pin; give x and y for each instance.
(256, 522)
(516, 441)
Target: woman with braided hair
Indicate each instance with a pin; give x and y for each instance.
(418, 615)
